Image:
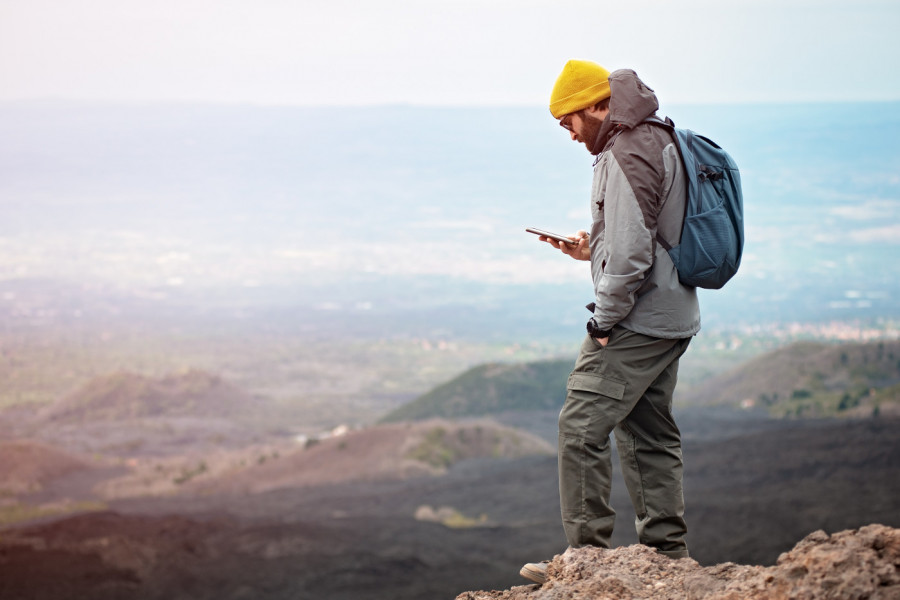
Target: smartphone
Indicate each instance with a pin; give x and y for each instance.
(552, 236)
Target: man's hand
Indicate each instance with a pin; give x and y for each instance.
(579, 249)
(602, 341)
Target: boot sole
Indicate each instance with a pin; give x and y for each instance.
(537, 576)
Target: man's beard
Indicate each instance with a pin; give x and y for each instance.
(591, 129)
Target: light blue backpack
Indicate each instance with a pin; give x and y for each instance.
(712, 238)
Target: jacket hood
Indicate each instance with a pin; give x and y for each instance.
(631, 101)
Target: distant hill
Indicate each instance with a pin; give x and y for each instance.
(28, 465)
(805, 379)
(491, 389)
(124, 395)
(383, 452)
(810, 379)
(129, 415)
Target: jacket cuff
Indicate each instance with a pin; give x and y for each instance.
(595, 332)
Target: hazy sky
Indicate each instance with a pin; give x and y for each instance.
(443, 52)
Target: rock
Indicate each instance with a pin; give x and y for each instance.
(849, 565)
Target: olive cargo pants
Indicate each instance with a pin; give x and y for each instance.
(625, 387)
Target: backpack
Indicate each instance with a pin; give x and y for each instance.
(712, 237)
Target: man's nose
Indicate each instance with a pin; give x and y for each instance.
(573, 135)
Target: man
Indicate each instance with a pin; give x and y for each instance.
(643, 317)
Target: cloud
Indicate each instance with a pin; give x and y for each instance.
(869, 210)
(880, 235)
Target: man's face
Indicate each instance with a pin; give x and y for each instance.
(584, 125)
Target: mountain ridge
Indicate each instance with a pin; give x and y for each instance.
(803, 379)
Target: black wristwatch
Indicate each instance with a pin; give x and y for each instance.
(596, 332)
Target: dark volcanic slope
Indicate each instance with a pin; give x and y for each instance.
(749, 498)
(752, 497)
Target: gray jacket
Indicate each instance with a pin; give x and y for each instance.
(638, 190)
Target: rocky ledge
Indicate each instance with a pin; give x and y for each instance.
(854, 564)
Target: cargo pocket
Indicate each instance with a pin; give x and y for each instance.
(588, 396)
(593, 382)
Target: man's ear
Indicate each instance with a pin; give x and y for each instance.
(597, 112)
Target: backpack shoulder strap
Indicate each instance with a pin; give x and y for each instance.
(669, 125)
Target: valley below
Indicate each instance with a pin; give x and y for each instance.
(224, 503)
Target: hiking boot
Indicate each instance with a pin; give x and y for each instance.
(536, 572)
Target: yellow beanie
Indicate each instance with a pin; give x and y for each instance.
(580, 85)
